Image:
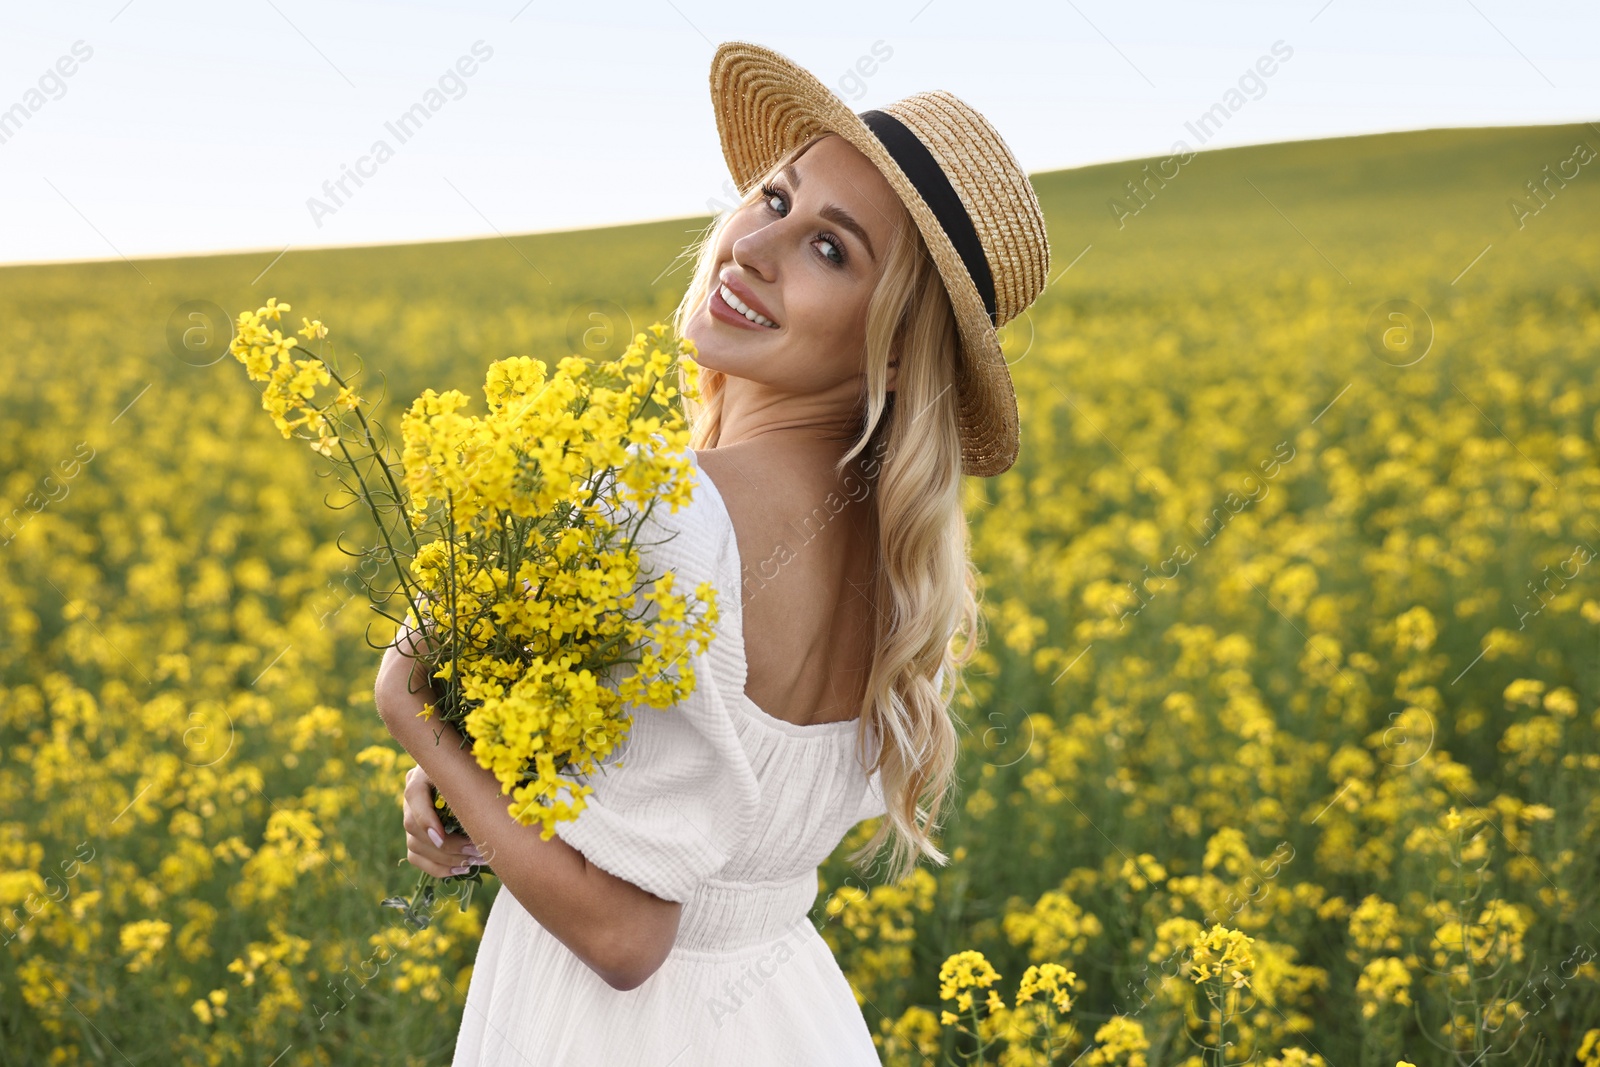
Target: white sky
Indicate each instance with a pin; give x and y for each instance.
(206, 126)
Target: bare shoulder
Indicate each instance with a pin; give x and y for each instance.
(749, 485)
(805, 557)
(771, 492)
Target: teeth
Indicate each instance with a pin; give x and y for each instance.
(739, 306)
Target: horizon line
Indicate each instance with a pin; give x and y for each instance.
(263, 250)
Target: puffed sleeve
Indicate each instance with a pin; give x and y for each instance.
(872, 802)
(671, 806)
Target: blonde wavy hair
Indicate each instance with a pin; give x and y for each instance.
(925, 585)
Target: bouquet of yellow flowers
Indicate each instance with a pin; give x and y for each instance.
(513, 542)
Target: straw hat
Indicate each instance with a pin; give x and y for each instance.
(958, 180)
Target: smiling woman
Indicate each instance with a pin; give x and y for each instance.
(820, 314)
(844, 317)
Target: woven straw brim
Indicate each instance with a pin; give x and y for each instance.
(766, 105)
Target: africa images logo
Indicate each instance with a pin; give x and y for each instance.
(402, 128)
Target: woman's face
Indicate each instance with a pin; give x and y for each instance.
(806, 257)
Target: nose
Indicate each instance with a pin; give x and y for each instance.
(756, 250)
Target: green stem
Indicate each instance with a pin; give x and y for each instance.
(383, 530)
(1222, 1022)
(372, 446)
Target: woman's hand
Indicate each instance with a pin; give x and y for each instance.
(428, 847)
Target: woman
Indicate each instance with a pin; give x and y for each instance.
(845, 319)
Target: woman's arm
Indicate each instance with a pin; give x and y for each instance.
(622, 932)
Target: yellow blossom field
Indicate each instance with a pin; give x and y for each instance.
(1283, 746)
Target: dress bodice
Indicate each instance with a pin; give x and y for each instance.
(714, 800)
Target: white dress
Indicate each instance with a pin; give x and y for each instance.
(725, 809)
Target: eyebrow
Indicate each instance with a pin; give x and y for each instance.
(834, 213)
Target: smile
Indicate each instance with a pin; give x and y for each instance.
(741, 308)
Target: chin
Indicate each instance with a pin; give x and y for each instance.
(707, 355)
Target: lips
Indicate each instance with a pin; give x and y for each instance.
(748, 298)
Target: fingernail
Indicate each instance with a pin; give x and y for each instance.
(472, 851)
(460, 870)
(476, 862)
(433, 835)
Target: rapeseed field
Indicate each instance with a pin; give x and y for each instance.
(1283, 746)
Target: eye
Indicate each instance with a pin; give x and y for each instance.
(770, 192)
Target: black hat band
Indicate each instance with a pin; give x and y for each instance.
(931, 181)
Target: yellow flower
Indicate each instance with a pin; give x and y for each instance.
(960, 974)
(210, 1007)
(917, 1030)
(1374, 926)
(144, 939)
(1056, 927)
(1589, 1050)
(1296, 1057)
(1121, 1042)
(1049, 978)
(1384, 981)
(1222, 953)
